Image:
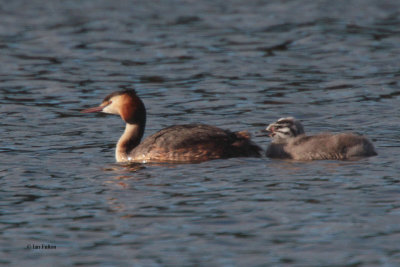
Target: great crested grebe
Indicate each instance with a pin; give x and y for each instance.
(289, 141)
(178, 143)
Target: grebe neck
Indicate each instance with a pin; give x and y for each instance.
(128, 141)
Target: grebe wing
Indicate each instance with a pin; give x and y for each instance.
(181, 136)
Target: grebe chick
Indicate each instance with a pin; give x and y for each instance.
(290, 142)
(178, 143)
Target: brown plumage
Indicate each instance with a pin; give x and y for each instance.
(178, 143)
(290, 142)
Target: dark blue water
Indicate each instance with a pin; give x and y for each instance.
(235, 64)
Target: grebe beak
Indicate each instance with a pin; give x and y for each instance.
(94, 109)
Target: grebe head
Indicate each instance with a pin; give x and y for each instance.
(124, 103)
(285, 128)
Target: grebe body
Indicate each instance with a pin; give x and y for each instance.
(290, 142)
(178, 143)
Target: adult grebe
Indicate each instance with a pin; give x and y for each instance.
(178, 143)
(289, 141)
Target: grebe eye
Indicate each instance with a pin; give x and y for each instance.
(106, 103)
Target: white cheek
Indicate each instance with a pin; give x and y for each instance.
(283, 135)
(110, 109)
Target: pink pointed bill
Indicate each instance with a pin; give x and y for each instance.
(90, 110)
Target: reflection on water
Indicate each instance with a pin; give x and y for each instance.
(237, 65)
